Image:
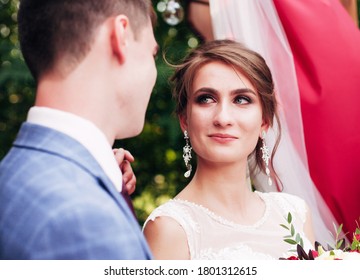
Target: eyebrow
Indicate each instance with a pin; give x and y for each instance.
(243, 90)
(233, 92)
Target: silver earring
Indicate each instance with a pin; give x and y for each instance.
(187, 155)
(266, 157)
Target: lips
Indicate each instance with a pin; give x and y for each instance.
(223, 138)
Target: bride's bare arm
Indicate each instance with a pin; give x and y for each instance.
(167, 239)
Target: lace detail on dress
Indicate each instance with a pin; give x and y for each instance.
(227, 222)
(174, 210)
(240, 251)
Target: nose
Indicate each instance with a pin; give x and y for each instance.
(223, 116)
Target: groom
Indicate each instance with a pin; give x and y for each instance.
(93, 62)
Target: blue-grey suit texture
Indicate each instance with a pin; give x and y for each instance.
(57, 203)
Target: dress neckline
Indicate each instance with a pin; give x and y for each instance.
(228, 222)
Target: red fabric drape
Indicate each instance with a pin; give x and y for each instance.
(326, 47)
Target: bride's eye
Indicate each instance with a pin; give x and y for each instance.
(205, 99)
(241, 99)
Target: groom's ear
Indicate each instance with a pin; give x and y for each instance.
(120, 36)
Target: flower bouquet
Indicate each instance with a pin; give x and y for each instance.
(341, 250)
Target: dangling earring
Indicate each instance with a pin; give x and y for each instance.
(187, 155)
(266, 157)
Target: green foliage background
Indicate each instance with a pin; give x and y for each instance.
(158, 150)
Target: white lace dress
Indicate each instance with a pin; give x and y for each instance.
(210, 236)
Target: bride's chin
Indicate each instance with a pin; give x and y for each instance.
(222, 160)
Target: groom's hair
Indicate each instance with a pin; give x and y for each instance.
(51, 31)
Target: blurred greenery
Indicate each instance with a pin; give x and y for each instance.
(158, 149)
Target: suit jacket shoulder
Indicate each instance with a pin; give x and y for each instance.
(57, 203)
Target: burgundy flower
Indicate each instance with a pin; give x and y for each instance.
(292, 258)
(315, 253)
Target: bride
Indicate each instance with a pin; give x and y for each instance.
(257, 24)
(226, 104)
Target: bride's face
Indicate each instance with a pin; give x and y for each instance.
(223, 115)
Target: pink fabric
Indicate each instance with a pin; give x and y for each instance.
(326, 47)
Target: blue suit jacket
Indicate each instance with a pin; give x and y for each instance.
(57, 203)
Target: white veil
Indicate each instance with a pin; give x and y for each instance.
(256, 24)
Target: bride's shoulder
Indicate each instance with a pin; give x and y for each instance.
(172, 206)
(167, 231)
(175, 209)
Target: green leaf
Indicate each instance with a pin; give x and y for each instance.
(301, 242)
(289, 218)
(284, 226)
(338, 244)
(292, 230)
(297, 238)
(290, 241)
(339, 229)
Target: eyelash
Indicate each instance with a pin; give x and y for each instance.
(202, 99)
(246, 98)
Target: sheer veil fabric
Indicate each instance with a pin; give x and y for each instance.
(257, 25)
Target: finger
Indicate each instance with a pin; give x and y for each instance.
(129, 156)
(126, 170)
(129, 177)
(131, 185)
(119, 155)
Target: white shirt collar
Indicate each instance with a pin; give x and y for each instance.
(85, 132)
